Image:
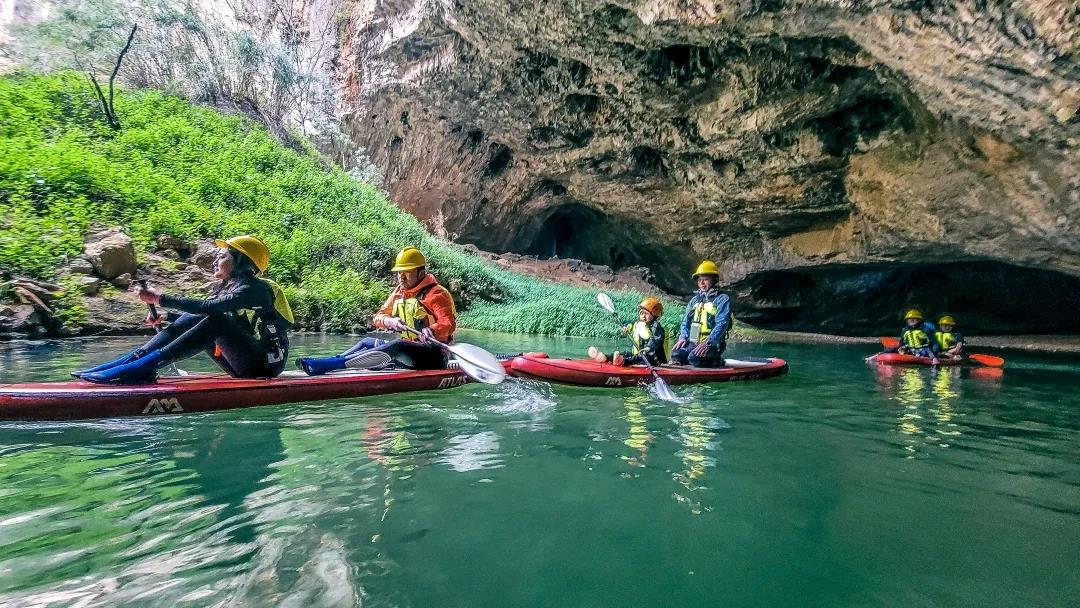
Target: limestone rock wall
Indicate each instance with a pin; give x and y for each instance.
(769, 134)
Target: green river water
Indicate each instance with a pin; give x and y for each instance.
(835, 485)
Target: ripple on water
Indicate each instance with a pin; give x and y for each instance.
(837, 483)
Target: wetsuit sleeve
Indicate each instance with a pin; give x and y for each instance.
(385, 311)
(684, 328)
(723, 317)
(441, 304)
(245, 296)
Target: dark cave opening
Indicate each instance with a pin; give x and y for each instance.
(867, 299)
(576, 231)
(580, 232)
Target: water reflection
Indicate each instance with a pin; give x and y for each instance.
(638, 439)
(928, 400)
(697, 430)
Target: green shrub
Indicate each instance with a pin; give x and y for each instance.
(192, 172)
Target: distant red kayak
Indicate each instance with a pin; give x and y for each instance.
(206, 393)
(899, 359)
(585, 372)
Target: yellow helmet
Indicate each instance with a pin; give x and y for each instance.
(946, 320)
(653, 306)
(707, 267)
(251, 246)
(913, 314)
(409, 258)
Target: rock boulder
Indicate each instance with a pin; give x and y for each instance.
(111, 253)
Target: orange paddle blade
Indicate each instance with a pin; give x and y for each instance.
(890, 342)
(987, 360)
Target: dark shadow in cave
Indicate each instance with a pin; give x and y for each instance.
(867, 299)
(577, 231)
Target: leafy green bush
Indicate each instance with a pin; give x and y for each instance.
(192, 172)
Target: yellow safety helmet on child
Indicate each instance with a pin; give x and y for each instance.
(913, 314)
(946, 320)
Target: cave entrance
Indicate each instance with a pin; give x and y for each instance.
(868, 299)
(577, 231)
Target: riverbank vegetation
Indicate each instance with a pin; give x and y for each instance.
(193, 172)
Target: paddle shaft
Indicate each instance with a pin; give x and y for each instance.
(456, 354)
(157, 326)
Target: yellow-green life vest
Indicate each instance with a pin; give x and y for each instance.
(281, 306)
(640, 333)
(413, 313)
(704, 318)
(946, 339)
(915, 337)
(263, 326)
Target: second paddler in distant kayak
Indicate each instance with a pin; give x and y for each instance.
(419, 308)
(243, 325)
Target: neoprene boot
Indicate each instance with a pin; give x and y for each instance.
(317, 366)
(128, 358)
(140, 371)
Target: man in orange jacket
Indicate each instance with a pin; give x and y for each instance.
(419, 309)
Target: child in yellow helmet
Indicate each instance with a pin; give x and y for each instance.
(647, 334)
(950, 343)
(917, 337)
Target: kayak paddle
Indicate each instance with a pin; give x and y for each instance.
(662, 388)
(987, 360)
(157, 329)
(476, 362)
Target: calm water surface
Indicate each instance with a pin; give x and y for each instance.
(836, 485)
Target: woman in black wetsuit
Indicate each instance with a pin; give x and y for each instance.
(243, 325)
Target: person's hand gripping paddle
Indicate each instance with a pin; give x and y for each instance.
(476, 362)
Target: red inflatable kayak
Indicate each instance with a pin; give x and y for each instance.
(206, 393)
(898, 359)
(585, 372)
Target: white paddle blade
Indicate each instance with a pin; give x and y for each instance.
(740, 363)
(664, 391)
(605, 302)
(478, 363)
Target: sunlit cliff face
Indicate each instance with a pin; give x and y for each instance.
(768, 135)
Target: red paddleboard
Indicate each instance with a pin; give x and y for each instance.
(206, 393)
(586, 372)
(899, 359)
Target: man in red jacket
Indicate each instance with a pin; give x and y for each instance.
(419, 308)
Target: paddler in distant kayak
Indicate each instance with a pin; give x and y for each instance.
(706, 323)
(950, 343)
(917, 337)
(418, 303)
(243, 325)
